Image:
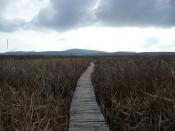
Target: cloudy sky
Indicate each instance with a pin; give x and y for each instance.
(109, 25)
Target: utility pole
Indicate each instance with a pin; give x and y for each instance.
(7, 44)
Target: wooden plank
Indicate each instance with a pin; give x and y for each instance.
(85, 114)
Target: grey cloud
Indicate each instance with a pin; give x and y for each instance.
(9, 26)
(62, 39)
(137, 12)
(5, 24)
(66, 14)
(3, 4)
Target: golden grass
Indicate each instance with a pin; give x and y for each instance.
(35, 93)
(136, 93)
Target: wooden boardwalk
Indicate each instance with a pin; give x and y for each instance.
(84, 113)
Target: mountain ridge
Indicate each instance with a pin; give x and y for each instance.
(70, 52)
(86, 52)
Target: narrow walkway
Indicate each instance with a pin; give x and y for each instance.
(84, 113)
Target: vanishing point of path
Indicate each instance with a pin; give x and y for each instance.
(85, 114)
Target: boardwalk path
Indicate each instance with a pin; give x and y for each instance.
(84, 113)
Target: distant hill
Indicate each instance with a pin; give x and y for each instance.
(122, 53)
(157, 53)
(141, 54)
(83, 52)
(71, 52)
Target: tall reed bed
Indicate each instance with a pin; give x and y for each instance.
(35, 93)
(136, 93)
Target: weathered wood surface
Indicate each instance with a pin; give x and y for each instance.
(84, 113)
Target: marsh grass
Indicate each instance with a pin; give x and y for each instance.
(35, 93)
(136, 93)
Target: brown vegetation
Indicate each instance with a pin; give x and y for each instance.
(35, 93)
(136, 93)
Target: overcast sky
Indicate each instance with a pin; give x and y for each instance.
(109, 25)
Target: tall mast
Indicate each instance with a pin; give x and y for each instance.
(7, 44)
